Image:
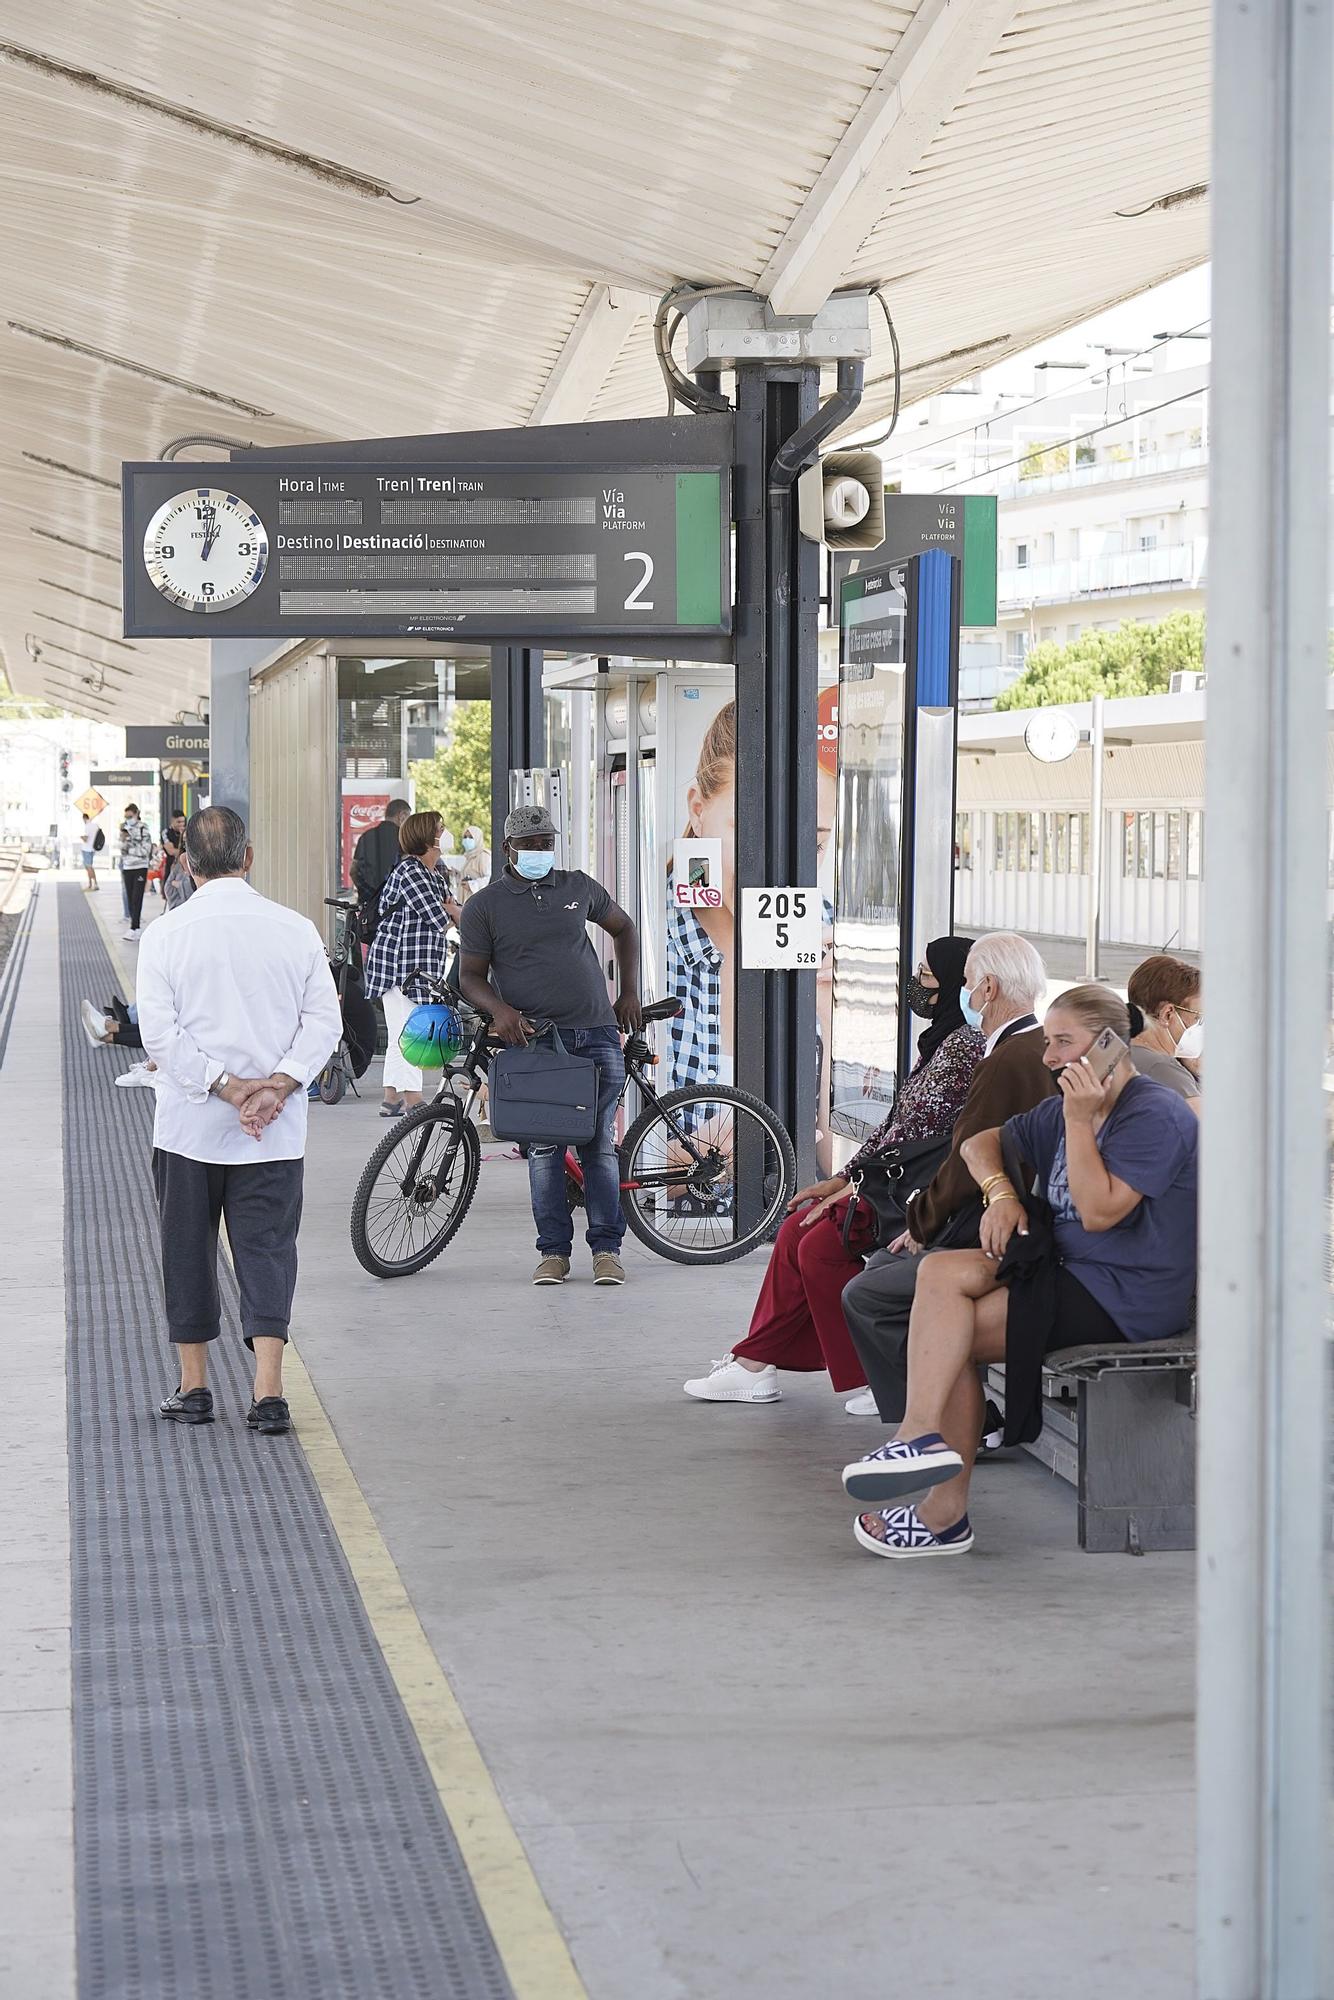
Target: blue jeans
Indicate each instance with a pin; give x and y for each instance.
(602, 1173)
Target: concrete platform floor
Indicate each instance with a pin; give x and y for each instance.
(746, 1758)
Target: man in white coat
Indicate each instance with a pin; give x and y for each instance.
(238, 1010)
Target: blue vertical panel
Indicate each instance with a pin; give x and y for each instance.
(935, 635)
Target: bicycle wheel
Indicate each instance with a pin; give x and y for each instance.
(678, 1174)
(415, 1190)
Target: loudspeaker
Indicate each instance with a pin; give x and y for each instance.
(841, 501)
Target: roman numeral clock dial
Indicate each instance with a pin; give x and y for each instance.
(206, 550)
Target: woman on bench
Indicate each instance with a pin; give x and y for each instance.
(1109, 1255)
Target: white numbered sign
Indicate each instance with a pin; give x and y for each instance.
(780, 930)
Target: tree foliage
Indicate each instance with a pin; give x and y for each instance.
(456, 782)
(1132, 660)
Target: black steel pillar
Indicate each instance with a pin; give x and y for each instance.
(518, 727)
(777, 627)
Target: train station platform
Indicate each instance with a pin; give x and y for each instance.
(512, 1671)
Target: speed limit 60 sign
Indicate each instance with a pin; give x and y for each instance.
(780, 930)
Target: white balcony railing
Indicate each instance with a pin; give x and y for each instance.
(1090, 576)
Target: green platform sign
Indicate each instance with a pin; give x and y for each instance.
(610, 553)
(964, 524)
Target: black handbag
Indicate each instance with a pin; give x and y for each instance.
(542, 1094)
(886, 1182)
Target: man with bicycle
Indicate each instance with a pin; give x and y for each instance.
(525, 955)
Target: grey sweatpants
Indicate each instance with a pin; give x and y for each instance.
(262, 1207)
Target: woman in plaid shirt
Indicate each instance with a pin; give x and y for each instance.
(410, 950)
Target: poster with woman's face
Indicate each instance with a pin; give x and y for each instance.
(700, 919)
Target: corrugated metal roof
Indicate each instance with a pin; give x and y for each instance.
(327, 218)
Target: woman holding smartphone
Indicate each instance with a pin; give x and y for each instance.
(1105, 1252)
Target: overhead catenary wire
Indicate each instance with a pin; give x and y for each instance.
(1122, 362)
(1080, 437)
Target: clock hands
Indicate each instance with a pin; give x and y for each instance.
(210, 533)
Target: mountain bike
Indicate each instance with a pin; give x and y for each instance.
(681, 1190)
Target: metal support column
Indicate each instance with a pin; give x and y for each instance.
(1264, 1440)
(231, 662)
(1097, 754)
(518, 728)
(777, 696)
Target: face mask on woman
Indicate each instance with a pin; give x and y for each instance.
(921, 1000)
(468, 843)
(1191, 1044)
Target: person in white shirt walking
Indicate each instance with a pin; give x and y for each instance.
(237, 1008)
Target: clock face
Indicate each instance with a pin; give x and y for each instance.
(206, 550)
(1051, 736)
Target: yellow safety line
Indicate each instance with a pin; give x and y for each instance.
(528, 1938)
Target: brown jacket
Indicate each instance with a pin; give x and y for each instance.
(1011, 1079)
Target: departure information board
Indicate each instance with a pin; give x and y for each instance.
(485, 552)
(873, 611)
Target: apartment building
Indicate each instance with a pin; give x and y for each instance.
(1102, 490)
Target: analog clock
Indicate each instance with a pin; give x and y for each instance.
(1051, 736)
(206, 549)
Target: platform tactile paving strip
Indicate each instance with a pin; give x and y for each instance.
(254, 1817)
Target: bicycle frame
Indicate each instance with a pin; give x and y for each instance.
(639, 1058)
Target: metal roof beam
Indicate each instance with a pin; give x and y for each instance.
(606, 320)
(934, 62)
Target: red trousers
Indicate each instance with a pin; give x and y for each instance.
(798, 1319)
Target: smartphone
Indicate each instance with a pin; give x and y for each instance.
(1105, 1054)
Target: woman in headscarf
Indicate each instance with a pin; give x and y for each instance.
(798, 1319)
(476, 870)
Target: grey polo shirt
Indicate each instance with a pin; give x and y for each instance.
(541, 957)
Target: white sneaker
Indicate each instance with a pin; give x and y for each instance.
(94, 1023)
(861, 1405)
(141, 1077)
(130, 937)
(728, 1382)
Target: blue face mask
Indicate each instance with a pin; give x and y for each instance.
(468, 843)
(971, 1014)
(534, 864)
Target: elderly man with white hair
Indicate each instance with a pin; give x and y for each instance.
(1004, 983)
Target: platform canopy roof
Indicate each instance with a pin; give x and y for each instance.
(350, 218)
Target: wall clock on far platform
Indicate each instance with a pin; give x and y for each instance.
(206, 549)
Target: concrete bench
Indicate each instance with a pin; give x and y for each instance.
(1119, 1425)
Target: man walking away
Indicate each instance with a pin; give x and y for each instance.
(374, 859)
(237, 1008)
(524, 956)
(136, 851)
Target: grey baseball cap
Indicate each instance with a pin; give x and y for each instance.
(528, 819)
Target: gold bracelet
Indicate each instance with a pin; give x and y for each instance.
(1005, 1194)
(994, 1180)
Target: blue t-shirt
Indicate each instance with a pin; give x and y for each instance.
(1142, 1272)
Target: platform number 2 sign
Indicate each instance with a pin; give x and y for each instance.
(780, 929)
(637, 601)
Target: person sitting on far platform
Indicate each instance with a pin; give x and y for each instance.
(1005, 980)
(798, 1319)
(1167, 1026)
(409, 951)
(1109, 1256)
